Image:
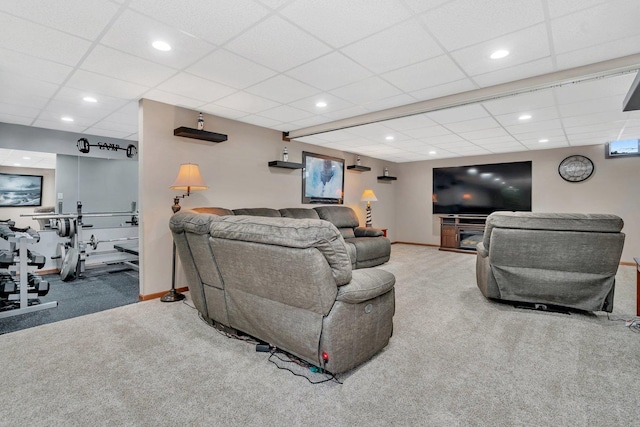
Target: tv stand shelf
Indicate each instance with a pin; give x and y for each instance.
(461, 233)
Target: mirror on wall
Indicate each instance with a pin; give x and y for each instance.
(102, 185)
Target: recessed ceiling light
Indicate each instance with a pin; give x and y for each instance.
(16, 164)
(432, 153)
(390, 137)
(499, 54)
(543, 140)
(161, 45)
(89, 99)
(26, 158)
(524, 117)
(66, 119)
(321, 104)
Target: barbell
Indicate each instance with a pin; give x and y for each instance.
(93, 242)
(84, 147)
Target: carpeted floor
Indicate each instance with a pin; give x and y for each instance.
(100, 288)
(455, 359)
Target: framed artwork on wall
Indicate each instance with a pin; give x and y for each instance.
(322, 179)
(20, 190)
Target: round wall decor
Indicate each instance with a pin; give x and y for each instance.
(576, 168)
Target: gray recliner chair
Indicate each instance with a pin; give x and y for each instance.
(563, 259)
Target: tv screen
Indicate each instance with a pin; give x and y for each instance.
(482, 189)
(627, 147)
(20, 190)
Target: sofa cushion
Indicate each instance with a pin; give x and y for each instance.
(214, 211)
(371, 251)
(340, 216)
(292, 233)
(299, 213)
(266, 212)
(366, 284)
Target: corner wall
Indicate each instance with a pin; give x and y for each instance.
(238, 176)
(613, 188)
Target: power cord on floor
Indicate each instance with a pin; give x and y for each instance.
(290, 359)
(632, 324)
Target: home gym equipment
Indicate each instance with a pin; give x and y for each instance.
(71, 254)
(84, 147)
(19, 288)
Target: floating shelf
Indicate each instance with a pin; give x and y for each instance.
(359, 168)
(199, 134)
(387, 178)
(286, 165)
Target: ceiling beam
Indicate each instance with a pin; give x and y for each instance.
(598, 70)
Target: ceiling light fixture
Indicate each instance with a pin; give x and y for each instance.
(66, 119)
(26, 158)
(498, 54)
(16, 164)
(321, 104)
(543, 140)
(524, 117)
(432, 153)
(89, 99)
(161, 45)
(389, 138)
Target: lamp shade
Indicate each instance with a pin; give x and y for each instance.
(368, 196)
(189, 178)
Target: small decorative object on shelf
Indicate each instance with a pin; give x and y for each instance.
(358, 161)
(285, 155)
(358, 166)
(200, 122)
(386, 172)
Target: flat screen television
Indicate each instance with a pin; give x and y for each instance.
(623, 148)
(482, 189)
(20, 190)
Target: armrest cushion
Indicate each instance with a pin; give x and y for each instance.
(482, 251)
(368, 232)
(365, 284)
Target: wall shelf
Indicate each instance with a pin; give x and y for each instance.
(199, 134)
(359, 168)
(285, 165)
(387, 178)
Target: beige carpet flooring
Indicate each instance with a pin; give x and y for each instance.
(455, 359)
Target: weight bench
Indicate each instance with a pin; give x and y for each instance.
(131, 248)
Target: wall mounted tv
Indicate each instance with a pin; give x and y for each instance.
(624, 148)
(20, 190)
(482, 189)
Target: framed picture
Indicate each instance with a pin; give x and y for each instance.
(20, 190)
(322, 179)
(626, 148)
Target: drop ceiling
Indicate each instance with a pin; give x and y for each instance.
(269, 62)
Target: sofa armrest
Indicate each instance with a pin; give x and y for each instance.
(368, 232)
(366, 284)
(482, 251)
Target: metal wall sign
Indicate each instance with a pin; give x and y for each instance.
(84, 147)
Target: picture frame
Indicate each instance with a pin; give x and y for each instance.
(322, 179)
(624, 148)
(17, 190)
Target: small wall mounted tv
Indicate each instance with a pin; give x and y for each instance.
(482, 189)
(623, 148)
(20, 190)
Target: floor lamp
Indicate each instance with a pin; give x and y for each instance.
(368, 196)
(189, 179)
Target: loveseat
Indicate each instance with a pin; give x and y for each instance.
(367, 247)
(564, 259)
(287, 282)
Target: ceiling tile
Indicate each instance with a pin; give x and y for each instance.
(17, 86)
(96, 130)
(277, 44)
(195, 87)
(284, 114)
(411, 122)
(123, 66)
(40, 41)
(496, 132)
(488, 142)
(473, 125)
(330, 71)
(19, 111)
(522, 71)
(246, 102)
(282, 89)
(95, 83)
(427, 132)
(600, 52)
(32, 67)
(591, 106)
(367, 90)
(16, 119)
(356, 19)
(333, 103)
(390, 102)
(534, 127)
(429, 73)
(59, 125)
(229, 69)
(356, 110)
(479, 21)
(542, 114)
(458, 86)
(261, 121)
(458, 114)
(525, 102)
(84, 18)
(133, 33)
(172, 99)
(382, 52)
(214, 20)
(524, 46)
(216, 109)
(563, 7)
(604, 23)
(595, 89)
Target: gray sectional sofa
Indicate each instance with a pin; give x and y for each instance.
(288, 282)
(367, 246)
(564, 259)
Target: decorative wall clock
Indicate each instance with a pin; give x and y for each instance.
(576, 168)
